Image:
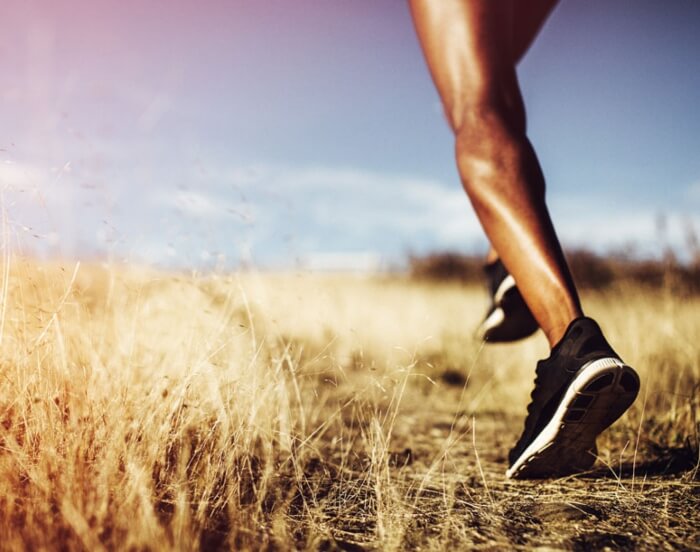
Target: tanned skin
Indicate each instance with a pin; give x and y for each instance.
(472, 48)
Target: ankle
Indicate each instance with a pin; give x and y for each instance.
(555, 332)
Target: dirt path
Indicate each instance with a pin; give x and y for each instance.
(652, 503)
(446, 470)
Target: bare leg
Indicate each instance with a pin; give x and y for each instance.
(470, 49)
(491, 256)
(529, 18)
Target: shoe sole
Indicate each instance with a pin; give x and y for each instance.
(493, 321)
(496, 318)
(505, 286)
(599, 394)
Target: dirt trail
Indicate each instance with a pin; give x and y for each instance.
(449, 464)
(651, 503)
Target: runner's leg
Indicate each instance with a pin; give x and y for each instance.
(469, 47)
(528, 20)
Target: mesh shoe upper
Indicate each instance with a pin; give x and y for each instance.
(582, 343)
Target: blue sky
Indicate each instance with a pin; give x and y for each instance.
(309, 133)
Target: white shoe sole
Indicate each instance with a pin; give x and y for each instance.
(601, 392)
(497, 317)
(493, 320)
(504, 287)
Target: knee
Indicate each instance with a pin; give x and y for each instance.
(477, 105)
(486, 142)
(493, 153)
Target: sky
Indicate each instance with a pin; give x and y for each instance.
(308, 133)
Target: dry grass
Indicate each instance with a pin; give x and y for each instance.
(142, 410)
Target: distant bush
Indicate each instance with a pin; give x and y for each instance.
(591, 270)
(446, 266)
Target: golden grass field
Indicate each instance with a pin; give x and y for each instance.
(149, 411)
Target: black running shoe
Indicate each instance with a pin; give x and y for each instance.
(580, 390)
(509, 318)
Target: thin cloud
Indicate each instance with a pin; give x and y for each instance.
(315, 215)
(356, 202)
(196, 204)
(647, 231)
